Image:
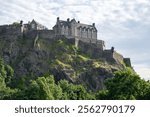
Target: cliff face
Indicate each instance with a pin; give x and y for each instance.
(32, 57)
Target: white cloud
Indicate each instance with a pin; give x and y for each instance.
(143, 71)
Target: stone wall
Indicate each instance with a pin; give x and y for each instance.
(90, 49)
(30, 34)
(127, 62)
(108, 54)
(84, 32)
(46, 33)
(112, 56)
(65, 30)
(10, 30)
(100, 44)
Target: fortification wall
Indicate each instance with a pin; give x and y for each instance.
(10, 30)
(100, 44)
(127, 62)
(113, 56)
(30, 34)
(46, 34)
(108, 54)
(86, 33)
(90, 49)
(87, 40)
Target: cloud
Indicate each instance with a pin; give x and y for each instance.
(143, 71)
(124, 24)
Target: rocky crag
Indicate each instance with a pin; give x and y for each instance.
(40, 52)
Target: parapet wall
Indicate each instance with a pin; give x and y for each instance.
(100, 44)
(113, 56)
(90, 49)
(127, 62)
(10, 30)
(88, 40)
(108, 54)
(46, 34)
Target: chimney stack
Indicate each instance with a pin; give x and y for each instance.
(57, 19)
(68, 20)
(93, 24)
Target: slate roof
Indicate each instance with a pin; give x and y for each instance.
(65, 23)
(38, 24)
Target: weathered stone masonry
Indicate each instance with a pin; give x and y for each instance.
(71, 29)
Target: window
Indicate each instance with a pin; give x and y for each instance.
(33, 26)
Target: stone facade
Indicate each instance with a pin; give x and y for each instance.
(69, 28)
(73, 29)
(33, 25)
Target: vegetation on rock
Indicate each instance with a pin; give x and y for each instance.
(124, 85)
(56, 69)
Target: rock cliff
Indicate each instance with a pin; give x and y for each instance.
(32, 56)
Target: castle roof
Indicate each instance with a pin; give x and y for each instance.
(79, 25)
(64, 23)
(38, 24)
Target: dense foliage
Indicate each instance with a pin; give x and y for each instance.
(125, 85)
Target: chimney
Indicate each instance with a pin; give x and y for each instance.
(57, 19)
(93, 24)
(21, 22)
(68, 20)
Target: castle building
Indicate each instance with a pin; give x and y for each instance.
(73, 29)
(33, 25)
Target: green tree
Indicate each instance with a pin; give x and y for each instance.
(127, 85)
(102, 95)
(74, 92)
(6, 73)
(43, 88)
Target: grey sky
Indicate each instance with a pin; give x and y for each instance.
(124, 24)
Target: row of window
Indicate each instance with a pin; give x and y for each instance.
(80, 33)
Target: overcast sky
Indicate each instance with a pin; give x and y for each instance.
(124, 24)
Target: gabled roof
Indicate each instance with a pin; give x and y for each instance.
(33, 21)
(65, 23)
(79, 25)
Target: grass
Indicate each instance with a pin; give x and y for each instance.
(63, 65)
(82, 58)
(96, 64)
